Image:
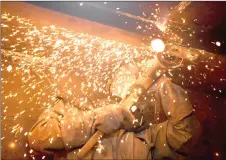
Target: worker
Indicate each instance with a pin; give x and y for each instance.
(165, 126)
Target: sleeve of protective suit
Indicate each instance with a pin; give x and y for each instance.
(174, 138)
(45, 136)
(63, 127)
(79, 127)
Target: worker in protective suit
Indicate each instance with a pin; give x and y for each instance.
(64, 129)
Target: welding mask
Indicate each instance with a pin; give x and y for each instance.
(123, 79)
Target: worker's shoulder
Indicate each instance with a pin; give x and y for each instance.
(159, 83)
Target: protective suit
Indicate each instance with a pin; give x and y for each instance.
(64, 129)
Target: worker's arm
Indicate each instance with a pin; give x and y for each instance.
(174, 138)
(63, 127)
(46, 132)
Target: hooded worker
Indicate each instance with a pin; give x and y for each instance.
(64, 129)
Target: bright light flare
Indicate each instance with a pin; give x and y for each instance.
(9, 68)
(157, 45)
(12, 145)
(161, 26)
(218, 44)
(134, 108)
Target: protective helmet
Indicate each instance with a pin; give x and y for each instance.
(128, 74)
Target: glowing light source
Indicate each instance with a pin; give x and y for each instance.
(218, 44)
(134, 108)
(161, 26)
(118, 53)
(157, 45)
(12, 145)
(189, 67)
(9, 68)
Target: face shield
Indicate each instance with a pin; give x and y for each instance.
(123, 79)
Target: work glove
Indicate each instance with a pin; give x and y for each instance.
(142, 110)
(111, 118)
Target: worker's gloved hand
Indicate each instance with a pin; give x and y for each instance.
(140, 110)
(111, 118)
(143, 114)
